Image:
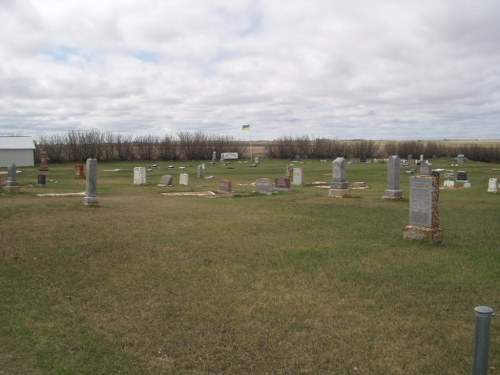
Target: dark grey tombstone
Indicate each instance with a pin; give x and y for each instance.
(167, 180)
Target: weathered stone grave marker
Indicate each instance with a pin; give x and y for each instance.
(44, 167)
(424, 210)
(393, 190)
(91, 189)
(184, 179)
(201, 172)
(425, 168)
(493, 185)
(80, 171)
(282, 184)
(11, 184)
(225, 186)
(264, 186)
(167, 180)
(340, 186)
(139, 175)
(298, 176)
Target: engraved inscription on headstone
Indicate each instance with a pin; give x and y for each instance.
(282, 184)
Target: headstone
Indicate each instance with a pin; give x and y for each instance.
(411, 162)
(43, 161)
(462, 176)
(228, 156)
(467, 185)
(42, 180)
(80, 171)
(288, 171)
(183, 179)
(393, 190)
(225, 186)
(362, 159)
(340, 186)
(449, 174)
(449, 183)
(214, 157)
(257, 160)
(139, 175)
(200, 173)
(282, 184)
(91, 189)
(298, 176)
(421, 158)
(11, 184)
(425, 168)
(424, 210)
(493, 185)
(264, 186)
(167, 180)
(460, 158)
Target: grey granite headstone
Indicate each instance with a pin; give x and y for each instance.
(11, 184)
(264, 186)
(42, 181)
(167, 180)
(424, 210)
(91, 186)
(460, 158)
(214, 157)
(425, 168)
(340, 186)
(339, 175)
(200, 173)
(393, 190)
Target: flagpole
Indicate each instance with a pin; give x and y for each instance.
(250, 145)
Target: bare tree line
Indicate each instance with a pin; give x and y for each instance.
(322, 148)
(79, 145)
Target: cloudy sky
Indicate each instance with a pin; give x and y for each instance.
(384, 69)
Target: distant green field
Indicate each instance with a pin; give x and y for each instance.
(285, 284)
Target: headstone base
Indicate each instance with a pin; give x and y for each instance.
(340, 185)
(433, 235)
(393, 194)
(12, 188)
(89, 201)
(339, 193)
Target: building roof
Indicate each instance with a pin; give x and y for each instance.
(17, 143)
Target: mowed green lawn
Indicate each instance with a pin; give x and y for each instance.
(285, 284)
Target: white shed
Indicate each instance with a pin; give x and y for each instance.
(20, 150)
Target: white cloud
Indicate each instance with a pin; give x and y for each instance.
(321, 68)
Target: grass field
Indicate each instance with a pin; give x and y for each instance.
(285, 284)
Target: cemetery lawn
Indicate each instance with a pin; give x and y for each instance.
(291, 283)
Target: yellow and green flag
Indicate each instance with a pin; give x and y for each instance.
(246, 127)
